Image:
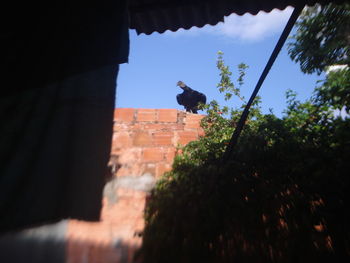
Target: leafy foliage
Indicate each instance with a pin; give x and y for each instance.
(321, 41)
(322, 38)
(335, 89)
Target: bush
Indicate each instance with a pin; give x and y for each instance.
(283, 199)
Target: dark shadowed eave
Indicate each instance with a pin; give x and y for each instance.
(148, 16)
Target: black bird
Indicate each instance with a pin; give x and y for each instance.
(190, 98)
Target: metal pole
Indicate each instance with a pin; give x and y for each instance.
(234, 139)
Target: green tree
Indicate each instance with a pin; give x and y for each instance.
(335, 90)
(322, 38)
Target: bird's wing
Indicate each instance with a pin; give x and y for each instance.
(179, 98)
(203, 98)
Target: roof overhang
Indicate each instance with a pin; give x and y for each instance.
(148, 16)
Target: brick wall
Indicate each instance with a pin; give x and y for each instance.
(143, 148)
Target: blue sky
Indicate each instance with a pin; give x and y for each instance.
(158, 61)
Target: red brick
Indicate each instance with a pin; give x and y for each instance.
(163, 126)
(124, 114)
(153, 154)
(121, 140)
(156, 126)
(137, 126)
(184, 137)
(177, 126)
(149, 168)
(104, 254)
(131, 169)
(167, 115)
(146, 115)
(193, 121)
(201, 132)
(80, 251)
(129, 155)
(124, 214)
(162, 168)
(142, 139)
(121, 126)
(97, 232)
(136, 197)
(163, 138)
(139, 224)
(170, 155)
(123, 171)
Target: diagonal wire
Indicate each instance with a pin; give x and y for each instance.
(234, 139)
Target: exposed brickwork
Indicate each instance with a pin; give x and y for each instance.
(163, 138)
(192, 121)
(143, 149)
(121, 140)
(146, 115)
(124, 115)
(141, 138)
(167, 115)
(161, 168)
(154, 154)
(170, 154)
(185, 137)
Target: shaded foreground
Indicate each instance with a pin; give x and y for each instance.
(284, 200)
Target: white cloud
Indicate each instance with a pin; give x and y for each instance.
(247, 28)
(254, 28)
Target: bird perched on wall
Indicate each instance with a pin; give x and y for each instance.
(190, 98)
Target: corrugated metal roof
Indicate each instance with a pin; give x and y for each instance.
(148, 16)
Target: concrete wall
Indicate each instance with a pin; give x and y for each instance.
(143, 148)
